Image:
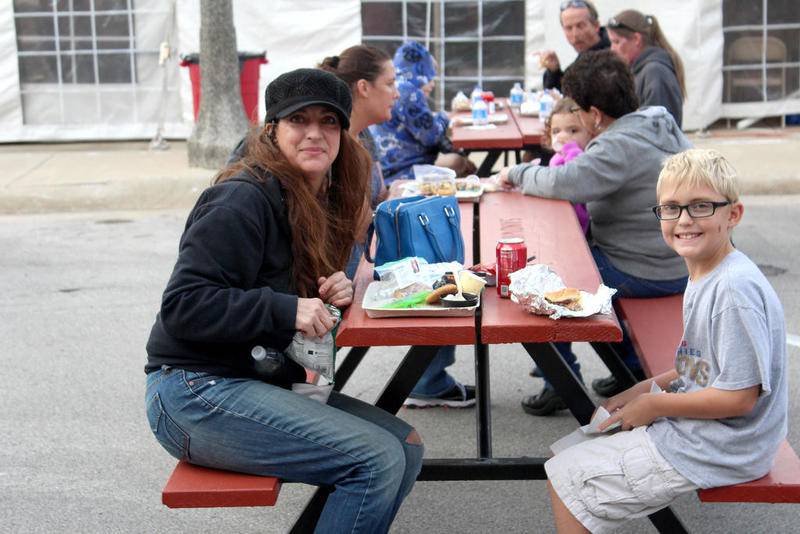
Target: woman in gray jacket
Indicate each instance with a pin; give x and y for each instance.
(657, 69)
(616, 178)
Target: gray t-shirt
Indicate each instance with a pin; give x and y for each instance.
(734, 337)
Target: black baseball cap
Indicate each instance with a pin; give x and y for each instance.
(305, 87)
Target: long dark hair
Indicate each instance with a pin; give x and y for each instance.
(359, 62)
(323, 229)
(630, 21)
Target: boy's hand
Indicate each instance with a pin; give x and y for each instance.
(621, 399)
(336, 289)
(637, 412)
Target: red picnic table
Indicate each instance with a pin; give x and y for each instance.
(554, 237)
(515, 134)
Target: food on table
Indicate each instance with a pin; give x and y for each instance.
(459, 301)
(529, 108)
(465, 184)
(409, 290)
(568, 297)
(447, 278)
(460, 102)
(412, 301)
(445, 188)
(436, 295)
(471, 284)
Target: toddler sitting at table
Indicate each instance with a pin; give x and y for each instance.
(567, 137)
(724, 412)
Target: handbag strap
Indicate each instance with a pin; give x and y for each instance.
(370, 233)
(450, 213)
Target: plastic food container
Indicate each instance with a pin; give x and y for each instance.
(432, 180)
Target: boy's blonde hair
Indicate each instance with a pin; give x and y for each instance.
(699, 167)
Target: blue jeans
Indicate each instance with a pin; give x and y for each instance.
(626, 286)
(355, 258)
(435, 380)
(250, 426)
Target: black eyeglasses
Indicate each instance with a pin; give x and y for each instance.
(696, 210)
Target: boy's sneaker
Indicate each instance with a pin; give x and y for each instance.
(459, 396)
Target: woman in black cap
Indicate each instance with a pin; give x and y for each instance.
(260, 258)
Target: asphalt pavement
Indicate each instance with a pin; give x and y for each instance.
(89, 235)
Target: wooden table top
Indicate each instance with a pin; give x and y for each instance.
(531, 128)
(553, 235)
(505, 136)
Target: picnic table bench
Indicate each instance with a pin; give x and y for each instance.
(655, 326)
(194, 486)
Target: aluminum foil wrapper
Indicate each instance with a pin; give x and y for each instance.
(528, 286)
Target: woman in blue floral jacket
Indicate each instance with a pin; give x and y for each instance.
(415, 134)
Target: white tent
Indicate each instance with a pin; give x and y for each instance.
(94, 75)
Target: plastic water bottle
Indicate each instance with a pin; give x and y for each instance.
(480, 113)
(268, 361)
(516, 95)
(475, 95)
(545, 105)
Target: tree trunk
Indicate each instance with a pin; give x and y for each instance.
(221, 122)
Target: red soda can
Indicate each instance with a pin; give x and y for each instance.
(512, 255)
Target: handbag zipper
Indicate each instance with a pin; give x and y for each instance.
(397, 228)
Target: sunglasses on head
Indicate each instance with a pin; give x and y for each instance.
(566, 4)
(614, 24)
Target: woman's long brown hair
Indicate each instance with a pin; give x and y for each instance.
(323, 227)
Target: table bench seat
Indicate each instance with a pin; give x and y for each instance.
(656, 326)
(193, 486)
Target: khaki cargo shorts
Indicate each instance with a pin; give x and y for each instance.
(611, 479)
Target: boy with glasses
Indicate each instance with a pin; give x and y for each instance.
(724, 413)
(581, 27)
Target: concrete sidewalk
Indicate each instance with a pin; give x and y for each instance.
(42, 178)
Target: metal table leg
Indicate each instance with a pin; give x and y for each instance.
(483, 410)
(564, 380)
(614, 362)
(488, 163)
(348, 366)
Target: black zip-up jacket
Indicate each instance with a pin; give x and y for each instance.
(232, 285)
(552, 80)
(656, 82)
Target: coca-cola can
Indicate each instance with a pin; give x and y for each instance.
(512, 256)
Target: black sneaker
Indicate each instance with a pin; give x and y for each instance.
(608, 386)
(546, 402)
(459, 396)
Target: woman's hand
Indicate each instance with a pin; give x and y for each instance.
(336, 289)
(502, 180)
(313, 318)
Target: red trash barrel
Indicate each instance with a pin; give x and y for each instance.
(249, 73)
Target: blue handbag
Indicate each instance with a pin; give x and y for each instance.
(426, 227)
